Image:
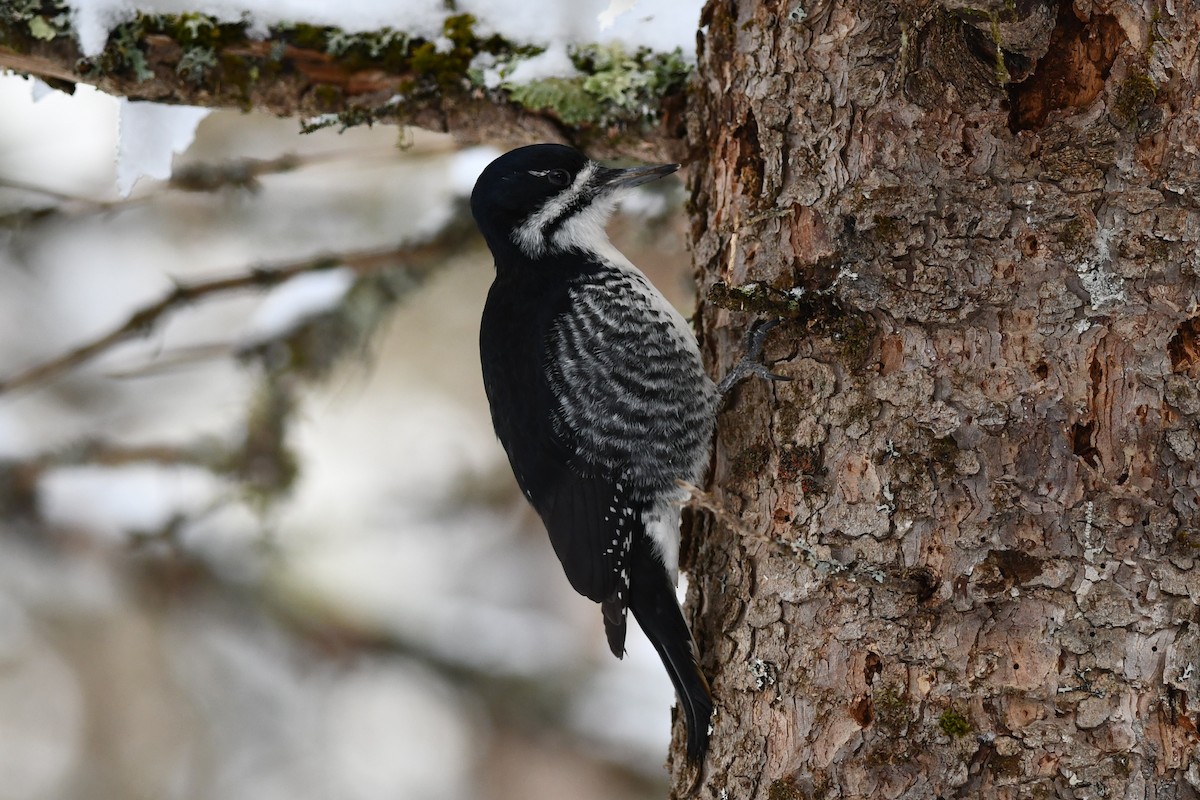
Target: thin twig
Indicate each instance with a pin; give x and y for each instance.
(243, 173)
(143, 321)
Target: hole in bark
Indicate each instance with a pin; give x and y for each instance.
(862, 711)
(1029, 246)
(1016, 666)
(1096, 372)
(922, 582)
(1015, 566)
(749, 160)
(1184, 348)
(1071, 74)
(872, 666)
(1042, 370)
(1083, 442)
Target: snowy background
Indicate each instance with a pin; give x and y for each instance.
(393, 626)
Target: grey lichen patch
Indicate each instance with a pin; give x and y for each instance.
(43, 20)
(124, 53)
(757, 298)
(39, 28)
(1103, 287)
(764, 673)
(614, 85)
(564, 97)
(195, 63)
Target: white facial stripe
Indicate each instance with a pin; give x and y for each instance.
(585, 231)
(529, 237)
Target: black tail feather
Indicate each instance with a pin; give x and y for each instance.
(652, 601)
(613, 610)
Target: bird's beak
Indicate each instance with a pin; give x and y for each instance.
(634, 176)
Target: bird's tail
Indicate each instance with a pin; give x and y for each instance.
(652, 601)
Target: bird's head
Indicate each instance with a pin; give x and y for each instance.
(547, 199)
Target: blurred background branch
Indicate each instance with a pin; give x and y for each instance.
(414, 260)
(256, 537)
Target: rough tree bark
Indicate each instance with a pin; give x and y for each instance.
(956, 555)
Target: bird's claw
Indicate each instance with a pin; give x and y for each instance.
(751, 364)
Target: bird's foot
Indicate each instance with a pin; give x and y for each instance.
(752, 364)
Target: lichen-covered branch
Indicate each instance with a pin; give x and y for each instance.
(621, 103)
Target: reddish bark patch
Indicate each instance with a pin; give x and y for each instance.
(1184, 348)
(1071, 74)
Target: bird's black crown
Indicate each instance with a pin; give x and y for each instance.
(549, 198)
(517, 184)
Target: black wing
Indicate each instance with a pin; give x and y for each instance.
(587, 511)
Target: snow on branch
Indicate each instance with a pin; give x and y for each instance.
(460, 77)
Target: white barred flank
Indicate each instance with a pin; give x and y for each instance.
(632, 394)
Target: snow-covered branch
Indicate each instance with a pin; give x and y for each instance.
(458, 75)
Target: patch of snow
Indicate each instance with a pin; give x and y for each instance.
(644, 202)
(554, 63)
(395, 730)
(39, 89)
(608, 17)
(660, 25)
(150, 134)
(466, 165)
(42, 141)
(288, 305)
(114, 501)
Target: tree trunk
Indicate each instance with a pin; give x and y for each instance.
(955, 556)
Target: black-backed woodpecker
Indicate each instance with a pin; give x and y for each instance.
(597, 394)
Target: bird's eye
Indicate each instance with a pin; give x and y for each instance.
(559, 177)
